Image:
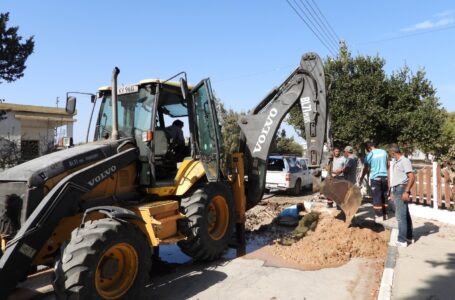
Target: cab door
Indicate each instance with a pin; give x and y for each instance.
(207, 129)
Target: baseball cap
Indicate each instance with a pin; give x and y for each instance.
(349, 149)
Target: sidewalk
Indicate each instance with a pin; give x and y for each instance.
(426, 269)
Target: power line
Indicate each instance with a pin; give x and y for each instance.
(320, 23)
(314, 26)
(300, 16)
(260, 73)
(326, 21)
(404, 36)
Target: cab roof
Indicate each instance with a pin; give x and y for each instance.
(151, 80)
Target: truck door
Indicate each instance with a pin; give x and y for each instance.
(207, 133)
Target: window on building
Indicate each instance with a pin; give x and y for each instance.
(29, 149)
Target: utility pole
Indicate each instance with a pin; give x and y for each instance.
(57, 101)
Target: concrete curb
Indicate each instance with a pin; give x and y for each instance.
(385, 289)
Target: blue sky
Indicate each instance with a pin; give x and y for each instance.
(245, 47)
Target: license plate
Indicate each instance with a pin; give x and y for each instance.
(127, 89)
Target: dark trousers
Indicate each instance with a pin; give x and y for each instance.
(402, 213)
(379, 188)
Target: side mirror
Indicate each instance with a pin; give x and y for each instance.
(93, 98)
(70, 105)
(184, 88)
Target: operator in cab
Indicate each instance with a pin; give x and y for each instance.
(175, 136)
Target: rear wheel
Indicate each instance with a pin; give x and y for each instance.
(209, 222)
(106, 259)
(297, 187)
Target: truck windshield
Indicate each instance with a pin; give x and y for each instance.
(134, 114)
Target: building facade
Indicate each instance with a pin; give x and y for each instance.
(28, 131)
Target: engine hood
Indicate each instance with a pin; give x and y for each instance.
(21, 187)
(37, 171)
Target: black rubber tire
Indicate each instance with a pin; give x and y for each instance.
(199, 244)
(10, 216)
(74, 274)
(297, 187)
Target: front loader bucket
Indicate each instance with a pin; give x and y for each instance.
(346, 194)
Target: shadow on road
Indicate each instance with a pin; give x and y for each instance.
(186, 282)
(426, 229)
(441, 286)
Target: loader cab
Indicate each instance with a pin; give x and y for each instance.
(145, 113)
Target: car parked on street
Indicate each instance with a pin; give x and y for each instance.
(307, 174)
(286, 173)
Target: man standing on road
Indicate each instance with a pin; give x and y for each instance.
(376, 163)
(338, 164)
(350, 168)
(402, 180)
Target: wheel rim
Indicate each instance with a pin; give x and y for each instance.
(116, 271)
(218, 217)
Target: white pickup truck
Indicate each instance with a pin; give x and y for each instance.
(287, 173)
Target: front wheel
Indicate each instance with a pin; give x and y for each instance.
(106, 259)
(209, 222)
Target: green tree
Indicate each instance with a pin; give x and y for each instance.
(230, 131)
(366, 104)
(13, 53)
(284, 145)
(446, 144)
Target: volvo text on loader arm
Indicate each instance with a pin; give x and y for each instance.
(96, 213)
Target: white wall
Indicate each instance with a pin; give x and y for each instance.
(42, 131)
(15, 130)
(10, 128)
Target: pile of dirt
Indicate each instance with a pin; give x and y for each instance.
(333, 244)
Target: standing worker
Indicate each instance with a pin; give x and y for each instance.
(402, 180)
(350, 167)
(338, 164)
(377, 163)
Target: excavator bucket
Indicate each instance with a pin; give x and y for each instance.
(346, 194)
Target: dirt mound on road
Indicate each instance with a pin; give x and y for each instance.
(333, 244)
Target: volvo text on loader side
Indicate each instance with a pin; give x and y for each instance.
(96, 212)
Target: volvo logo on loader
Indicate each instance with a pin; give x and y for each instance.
(106, 173)
(265, 130)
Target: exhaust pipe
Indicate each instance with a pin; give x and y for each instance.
(114, 134)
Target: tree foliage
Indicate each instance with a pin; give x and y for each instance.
(367, 104)
(230, 132)
(446, 144)
(284, 145)
(13, 52)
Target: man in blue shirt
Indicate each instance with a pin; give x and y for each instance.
(377, 164)
(290, 215)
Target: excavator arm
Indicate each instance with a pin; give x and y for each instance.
(306, 86)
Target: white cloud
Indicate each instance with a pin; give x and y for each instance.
(444, 14)
(428, 24)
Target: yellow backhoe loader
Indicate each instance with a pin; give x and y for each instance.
(96, 212)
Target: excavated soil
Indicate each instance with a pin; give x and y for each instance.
(330, 245)
(333, 244)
